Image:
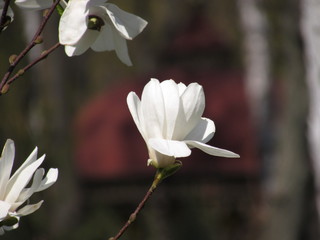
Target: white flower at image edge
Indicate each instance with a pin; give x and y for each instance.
(113, 27)
(169, 120)
(13, 190)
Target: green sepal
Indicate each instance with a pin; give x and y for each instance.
(170, 170)
(59, 9)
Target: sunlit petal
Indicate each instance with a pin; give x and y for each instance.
(212, 150)
(128, 25)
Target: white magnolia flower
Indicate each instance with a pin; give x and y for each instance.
(99, 25)
(10, 13)
(169, 120)
(13, 190)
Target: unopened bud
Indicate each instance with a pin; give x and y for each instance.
(44, 52)
(20, 72)
(38, 40)
(5, 88)
(45, 12)
(12, 58)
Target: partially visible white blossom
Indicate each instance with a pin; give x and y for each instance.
(99, 25)
(168, 116)
(13, 190)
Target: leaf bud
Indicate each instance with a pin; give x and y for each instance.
(5, 88)
(38, 40)
(12, 58)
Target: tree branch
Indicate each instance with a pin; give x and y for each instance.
(35, 40)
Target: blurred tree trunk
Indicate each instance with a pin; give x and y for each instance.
(311, 35)
(257, 59)
(286, 190)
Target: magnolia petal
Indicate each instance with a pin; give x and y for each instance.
(9, 228)
(49, 180)
(214, 151)
(170, 147)
(27, 192)
(34, 4)
(4, 209)
(28, 209)
(152, 110)
(127, 24)
(134, 105)
(31, 158)
(121, 48)
(83, 45)
(182, 87)
(203, 131)
(1, 231)
(73, 22)
(6, 162)
(193, 102)
(22, 180)
(105, 40)
(170, 93)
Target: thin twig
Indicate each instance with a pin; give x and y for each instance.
(43, 55)
(33, 42)
(133, 216)
(3, 18)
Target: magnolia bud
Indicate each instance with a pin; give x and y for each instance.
(38, 40)
(12, 58)
(5, 88)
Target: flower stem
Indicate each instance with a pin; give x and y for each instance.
(157, 179)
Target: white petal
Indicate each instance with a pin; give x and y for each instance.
(4, 209)
(9, 228)
(1, 231)
(121, 48)
(22, 180)
(83, 44)
(6, 162)
(203, 132)
(152, 116)
(170, 147)
(128, 25)
(134, 105)
(182, 87)
(171, 100)
(73, 22)
(32, 158)
(28, 209)
(193, 102)
(49, 180)
(105, 40)
(212, 150)
(34, 4)
(27, 192)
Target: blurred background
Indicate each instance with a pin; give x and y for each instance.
(251, 58)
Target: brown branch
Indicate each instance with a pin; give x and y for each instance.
(3, 19)
(43, 55)
(159, 176)
(34, 41)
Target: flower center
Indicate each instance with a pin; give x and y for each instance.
(95, 23)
